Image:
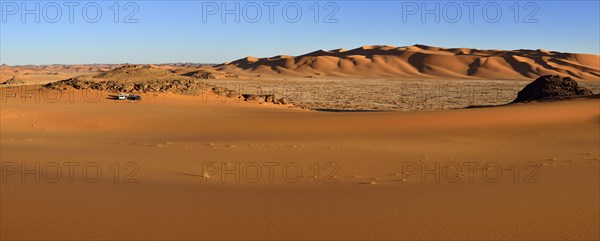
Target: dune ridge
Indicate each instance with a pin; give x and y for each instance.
(421, 61)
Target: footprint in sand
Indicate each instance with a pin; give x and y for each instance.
(150, 144)
(556, 162)
(368, 183)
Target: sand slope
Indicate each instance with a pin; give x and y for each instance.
(35, 74)
(422, 61)
(169, 138)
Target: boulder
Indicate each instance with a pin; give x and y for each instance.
(269, 98)
(551, 87)
(282, 101)
(127, 87)
(80, 85)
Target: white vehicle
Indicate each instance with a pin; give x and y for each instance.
(122, 96)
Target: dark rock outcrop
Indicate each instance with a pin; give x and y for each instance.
(551, 87)
(14, 81)
(182, 86)
(206, 74)
(186, 87)
(269, 98)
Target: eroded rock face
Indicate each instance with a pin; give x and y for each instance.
(206, 74)
(551, 87)
(269, 98)
(14, 81)
(186, 87)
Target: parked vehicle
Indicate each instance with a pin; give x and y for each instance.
(134, 97)
(122, 96)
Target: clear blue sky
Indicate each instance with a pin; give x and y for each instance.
(193, 31)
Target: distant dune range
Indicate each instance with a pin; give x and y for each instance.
(30, 74)
(415, 62)
(420, 61)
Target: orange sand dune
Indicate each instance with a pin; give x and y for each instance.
(547, 154)
(422, 61)
(36, 74)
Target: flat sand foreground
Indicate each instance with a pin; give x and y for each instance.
(166, 168)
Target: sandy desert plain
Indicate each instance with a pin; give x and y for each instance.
(375, 143)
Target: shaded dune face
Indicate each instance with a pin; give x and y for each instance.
(422, 61)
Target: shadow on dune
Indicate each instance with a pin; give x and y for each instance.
(187, 174)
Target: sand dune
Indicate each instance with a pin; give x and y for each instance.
(34, 74)
(422, 61)
(170, 137)
(417, 61)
